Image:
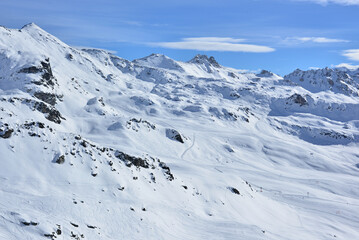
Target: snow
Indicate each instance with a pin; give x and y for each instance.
(293, 160)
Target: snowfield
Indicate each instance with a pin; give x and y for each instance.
(93, 146)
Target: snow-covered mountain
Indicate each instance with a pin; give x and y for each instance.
(338, 80)
(93, 146)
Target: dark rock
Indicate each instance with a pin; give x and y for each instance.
(200, 59)
(83, 143)
(29, 125)
(49, 98)
(153, 178)
(50, 235)
(234, 190)
(131, 122)
(174, 135)
(32, 69)
(266, 73)
(7, 133)
(298, 99)
(32, 134)
(73, 224)
(167, 170)
(69, 56)
(213, 62)
(232, 75)
(47, 77)
(60, 159)
(52, 113)
(78, 137)
(129, 160)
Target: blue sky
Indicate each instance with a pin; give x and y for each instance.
(278, 35)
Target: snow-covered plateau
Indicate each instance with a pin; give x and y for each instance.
(93, 146)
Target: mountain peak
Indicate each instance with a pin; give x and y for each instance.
(31, 26)
(159, 61)
(204, 59)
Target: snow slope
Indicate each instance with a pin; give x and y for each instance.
(93, 146)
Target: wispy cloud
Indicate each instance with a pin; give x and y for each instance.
(300, 40)
(325, 2)
(347, 65)
(215, 39)
(351, 54)
(214, 44)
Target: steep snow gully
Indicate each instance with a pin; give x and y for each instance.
(93, 146)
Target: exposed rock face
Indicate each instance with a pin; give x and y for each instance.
(53, 114)
(265, 73)
(32, 69)
(298, 99)
(135, 124)
(167, 171)
(203, 59)
(49, 98)
(131, 160)
(174, 135)
(340, 80)
(47, 78)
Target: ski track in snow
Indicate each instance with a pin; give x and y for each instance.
(190, 147)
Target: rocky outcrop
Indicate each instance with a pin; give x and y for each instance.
(298, 99)
(49, 98)
(52, 114)
(174, 135)
(60, 159)
(47, 78)
(204, 59)
(131, 160)
(6, 133)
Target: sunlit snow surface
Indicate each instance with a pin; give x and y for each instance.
(261, 158)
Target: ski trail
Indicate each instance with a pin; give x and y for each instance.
(190, 147)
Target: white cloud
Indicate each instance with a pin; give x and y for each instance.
(352, 54)
(215, 39)
(214, 44)
(347, 65)
(298, 40)
(325, 2)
